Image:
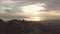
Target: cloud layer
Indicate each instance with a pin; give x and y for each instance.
(11, 8)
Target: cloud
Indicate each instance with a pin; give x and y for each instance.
(51, 15)
(12, 8)
(7, 1)
(2, 11)
(52, 4)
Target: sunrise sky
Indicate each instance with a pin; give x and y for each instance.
(32, 10)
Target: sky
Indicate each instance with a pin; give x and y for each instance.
(13, 8)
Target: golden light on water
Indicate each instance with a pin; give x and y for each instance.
(34, 10)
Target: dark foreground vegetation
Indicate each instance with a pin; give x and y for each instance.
(29, 27)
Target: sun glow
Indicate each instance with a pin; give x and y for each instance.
(36, 18)
(34, 10)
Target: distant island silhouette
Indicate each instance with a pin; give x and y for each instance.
(29, 27)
